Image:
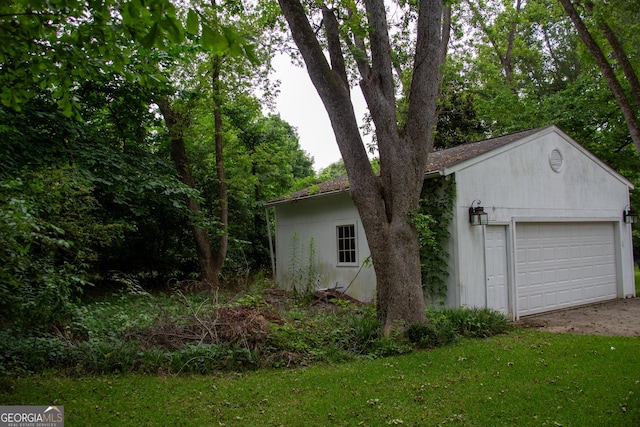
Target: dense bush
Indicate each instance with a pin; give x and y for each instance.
(98, 200)
(50, 238)
(177, 334)
(447, 325)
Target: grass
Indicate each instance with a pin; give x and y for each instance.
(524, 378)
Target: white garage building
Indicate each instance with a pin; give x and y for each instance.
(555, 234)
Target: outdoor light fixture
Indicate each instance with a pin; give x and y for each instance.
(477, 215)
(629, 215)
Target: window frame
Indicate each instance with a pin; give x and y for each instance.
(351, 250)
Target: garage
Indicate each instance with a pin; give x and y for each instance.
(561, 265)
(538, 223)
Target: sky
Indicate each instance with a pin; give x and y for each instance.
(299, 104)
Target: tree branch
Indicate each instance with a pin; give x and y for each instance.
(38, 14)
(607, 71)
(620, 56)
(335, 97)
(426, 76)
(332, 30)
(383, 104)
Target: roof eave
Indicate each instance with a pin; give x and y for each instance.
(306, 197)
(435, 173)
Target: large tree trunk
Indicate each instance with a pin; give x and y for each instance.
(181, 161)
(629, 113)
(397, 265)
(384, 202)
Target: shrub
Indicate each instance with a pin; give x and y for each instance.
(160, 334)
(430, 335)
(50, 234)
(477, 322)
(448, 325)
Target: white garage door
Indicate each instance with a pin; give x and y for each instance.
(564, 264)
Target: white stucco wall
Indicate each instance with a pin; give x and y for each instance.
(518, 185)
(318, 218)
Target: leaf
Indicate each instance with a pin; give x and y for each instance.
(149, 40)
(236, 50)
(250, 53)
(213, 40)
(173, 28)
(133, 10)
(193, 22)
(66, 105)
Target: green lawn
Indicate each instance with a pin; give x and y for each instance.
(525, 378)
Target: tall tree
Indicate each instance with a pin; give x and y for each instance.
(265, 162)
(175, 124)
(506, 23)
(209, 80)
(628, 111)
(385, 202)
(223, 195)
(619, 54)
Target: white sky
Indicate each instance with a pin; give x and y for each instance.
(299, 104)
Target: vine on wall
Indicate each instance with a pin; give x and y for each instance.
(432, 222)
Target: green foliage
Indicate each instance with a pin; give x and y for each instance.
(526, 67)
(475, 322)
(130, 191)
(428, 335)
(303, 269)
(458, 121)
(51, 237)
(134, 222)
(432, 222)
(445, 326)
(128, 332)
(56, 46)
(263, 160)
(334, 170)
(107, 337)
(334, 336)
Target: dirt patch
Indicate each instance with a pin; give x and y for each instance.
(614, 318)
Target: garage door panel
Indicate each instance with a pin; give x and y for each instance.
(564, 264)
(565, 296)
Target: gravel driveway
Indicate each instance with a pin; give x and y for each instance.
(613, 318)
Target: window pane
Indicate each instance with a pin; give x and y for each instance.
(346, 237)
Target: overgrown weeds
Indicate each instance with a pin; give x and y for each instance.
(170, 334)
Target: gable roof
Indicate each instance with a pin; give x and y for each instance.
(445, 162)
(440, 160)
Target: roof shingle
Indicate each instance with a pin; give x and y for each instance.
(438, 161)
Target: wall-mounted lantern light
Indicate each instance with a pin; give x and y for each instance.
(477, 215)
(629, 215)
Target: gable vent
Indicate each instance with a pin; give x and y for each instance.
(555, 160)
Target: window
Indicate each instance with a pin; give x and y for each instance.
(347, 253)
